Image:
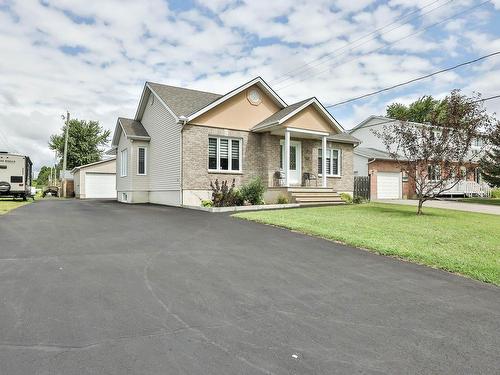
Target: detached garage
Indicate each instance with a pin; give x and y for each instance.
(96, 180)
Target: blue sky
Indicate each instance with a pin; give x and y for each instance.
(92, 57)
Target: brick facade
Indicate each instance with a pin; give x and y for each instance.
(261, 157)
(408, 187)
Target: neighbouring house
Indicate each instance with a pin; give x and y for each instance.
(96, 180)
(181, 139)
(386, 179)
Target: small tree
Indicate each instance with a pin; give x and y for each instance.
(434, 155)
(490, 163)
(85, 142)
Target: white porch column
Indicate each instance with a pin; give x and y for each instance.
(286, 160)
(323, 160)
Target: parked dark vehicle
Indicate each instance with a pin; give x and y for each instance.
(53, 190)
(15, 175)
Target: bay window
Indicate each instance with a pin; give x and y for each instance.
(224, 154)
(333, 162)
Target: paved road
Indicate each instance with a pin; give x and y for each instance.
(119, 289)
(450, 205)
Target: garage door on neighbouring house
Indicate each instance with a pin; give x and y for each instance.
(388, 185)
(100, 185)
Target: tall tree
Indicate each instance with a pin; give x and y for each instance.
(421, 110)
(490, 163)
(433, 155)
(44, 176)
(85, 143)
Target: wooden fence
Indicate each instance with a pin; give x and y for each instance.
(362, 187)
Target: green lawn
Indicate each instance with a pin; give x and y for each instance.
(462, 242)
(493, 201)
(7, 205)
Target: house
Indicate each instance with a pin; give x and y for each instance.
(387, 181)
(181, 139)
(96, 180)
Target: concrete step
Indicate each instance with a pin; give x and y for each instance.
(321, 194)
(310, 190)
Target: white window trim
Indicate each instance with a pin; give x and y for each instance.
(124, 171)
(145, 161)
(339, 164)
(230, 148)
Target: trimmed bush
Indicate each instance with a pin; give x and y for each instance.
(206, 203)
(495, 193)
(346, 197)
(253, 191)
(282, 199)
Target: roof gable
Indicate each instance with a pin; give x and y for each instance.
(292, 111)
(263, 86)
(132, 129)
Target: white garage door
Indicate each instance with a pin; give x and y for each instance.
(388, 185)
(100, 185)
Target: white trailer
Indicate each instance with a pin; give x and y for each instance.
(15, 175)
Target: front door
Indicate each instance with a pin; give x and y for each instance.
(295, 161)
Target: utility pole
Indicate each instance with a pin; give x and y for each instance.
(63, 180)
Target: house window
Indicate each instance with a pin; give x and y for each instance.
(224, 154)
(141, 161)
(332, 162)
(123, 163)
(434, 172)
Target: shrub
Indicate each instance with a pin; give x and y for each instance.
(282, 199)
(357, 200)
(253, 191)
(206, 203)
(495, 193)
(224, 195)
(346, 197)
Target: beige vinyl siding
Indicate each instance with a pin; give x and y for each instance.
(123, 183)
(164, 150)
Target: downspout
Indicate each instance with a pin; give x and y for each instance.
(182, 120)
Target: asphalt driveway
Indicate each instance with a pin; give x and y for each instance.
(89, 287)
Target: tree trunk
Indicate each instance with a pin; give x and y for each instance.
(419, 209)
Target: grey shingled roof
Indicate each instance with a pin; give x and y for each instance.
(181, 101)
(275, 117)
(372, 153)
(133, 128)
(344, 138)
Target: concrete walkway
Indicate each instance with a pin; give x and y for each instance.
(450, 205)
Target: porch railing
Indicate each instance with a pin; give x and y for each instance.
(467, 189)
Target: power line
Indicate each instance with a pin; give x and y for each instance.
(288, 75)
(486, 99)
(413, 80)
(390, 44)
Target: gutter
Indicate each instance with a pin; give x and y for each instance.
(183, 121)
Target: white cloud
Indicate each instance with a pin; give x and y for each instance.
(123, 43)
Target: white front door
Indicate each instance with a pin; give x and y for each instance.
(295, 161)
